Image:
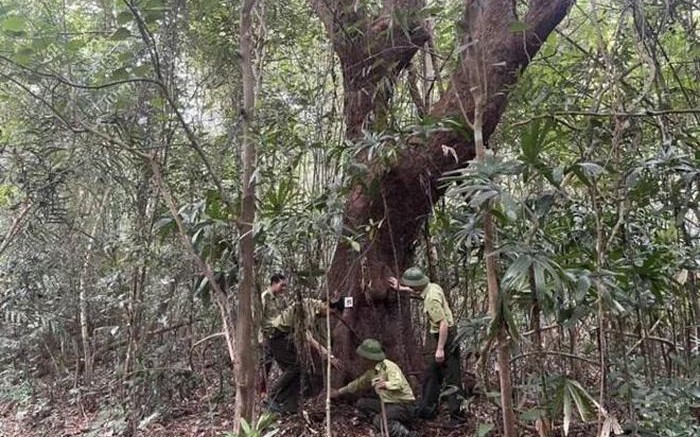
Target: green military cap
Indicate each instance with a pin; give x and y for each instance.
(371, 349)
(414, 277)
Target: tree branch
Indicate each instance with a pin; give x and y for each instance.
(14, 229)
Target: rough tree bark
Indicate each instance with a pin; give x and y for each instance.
(373, 51)
(246, 338)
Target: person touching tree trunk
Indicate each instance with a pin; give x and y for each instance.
(443, 366)
(283, 397)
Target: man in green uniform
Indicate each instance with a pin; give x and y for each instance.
(284, 394)
(390, 386)
(444, 366)
(272, 305)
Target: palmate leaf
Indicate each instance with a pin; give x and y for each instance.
(504, 318)
(517, 273)
(472, 331)
(581, 399)
(611, 425)
(570, 394)
(482, 197)
(533, 140)
(245, 427)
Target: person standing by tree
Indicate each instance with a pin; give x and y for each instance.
(444, 366)
(272, 305)
(284, 394)
(391, 387)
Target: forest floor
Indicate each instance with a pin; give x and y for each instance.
(196, 418)
(199, 404)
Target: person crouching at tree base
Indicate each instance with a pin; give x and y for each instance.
(283, 396)
(444, 365)
(391, 389)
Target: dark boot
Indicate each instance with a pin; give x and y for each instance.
(396, 428)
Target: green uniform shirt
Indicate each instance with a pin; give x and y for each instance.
(286, 320)
(397, 390)
(271, 307)
(436, 307)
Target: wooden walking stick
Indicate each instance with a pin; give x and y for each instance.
(385, 424)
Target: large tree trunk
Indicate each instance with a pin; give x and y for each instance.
(374, 50)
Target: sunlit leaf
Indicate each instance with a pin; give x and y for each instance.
(484, 429)
(14, 23)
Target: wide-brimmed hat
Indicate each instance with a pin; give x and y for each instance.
(371, 349)
(414, 277)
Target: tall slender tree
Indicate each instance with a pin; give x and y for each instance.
(245, 328)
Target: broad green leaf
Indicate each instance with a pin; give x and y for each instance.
(121, 34)
(577, 385)
(14, 23)
(509, 206)
(484, 429)
(481, 198)
(124, 17)
(152, 15)
(517, 272)
(583, 284)
(580, 400)
(120, 74)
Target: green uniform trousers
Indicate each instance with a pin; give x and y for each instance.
(447, 373)
(397, 415)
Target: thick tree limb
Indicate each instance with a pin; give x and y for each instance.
(411, 187)
(373, 50)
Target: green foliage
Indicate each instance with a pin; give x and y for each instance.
(263, 427)
(664, 407)
(14, 387)
(569, 395)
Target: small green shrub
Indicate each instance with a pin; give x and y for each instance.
(263, 427)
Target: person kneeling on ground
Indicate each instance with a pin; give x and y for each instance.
(391, 387)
